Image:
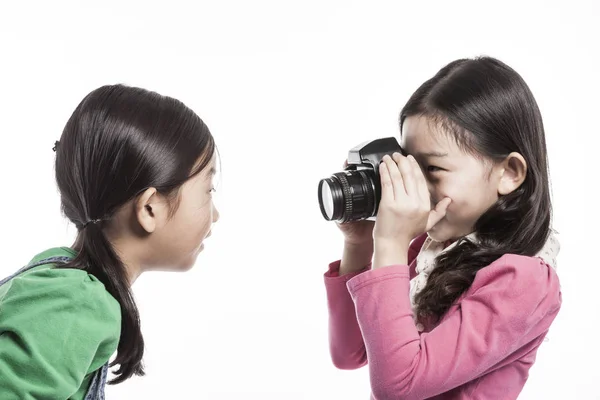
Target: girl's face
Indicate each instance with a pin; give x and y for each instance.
(470, 182)
(179, 239)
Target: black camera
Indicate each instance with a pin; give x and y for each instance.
(354, 194)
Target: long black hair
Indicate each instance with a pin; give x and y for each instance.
(490, 111)
(119, 141)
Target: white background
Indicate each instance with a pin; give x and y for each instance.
(287, 88)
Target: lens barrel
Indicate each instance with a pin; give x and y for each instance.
(349, 195)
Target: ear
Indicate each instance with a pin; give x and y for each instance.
(513, 170)
(150, 210)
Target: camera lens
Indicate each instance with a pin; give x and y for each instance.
(327, 201)
(349, 196)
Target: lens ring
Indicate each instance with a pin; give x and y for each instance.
(350, 195)
(368, 186)
(348, 207)
(326, 184)
(337, 198)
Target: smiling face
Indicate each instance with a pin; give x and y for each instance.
(471, 182)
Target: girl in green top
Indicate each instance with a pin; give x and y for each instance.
(134, 170)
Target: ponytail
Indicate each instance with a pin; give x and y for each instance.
(97, 256)
(118, 142)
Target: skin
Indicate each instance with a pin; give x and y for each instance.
(147, 236)
(439, 188)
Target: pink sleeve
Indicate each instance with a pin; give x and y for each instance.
(511, 303)
(345, 340)
(346, 344)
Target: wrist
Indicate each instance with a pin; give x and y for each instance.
(390, 253)
(391, 243)
(356, 256)
(363, 244)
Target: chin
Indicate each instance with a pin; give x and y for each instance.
(189, 263)
(441, 232)
(444, 231)
(184, 267)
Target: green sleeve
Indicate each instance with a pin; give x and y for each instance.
(56, 327)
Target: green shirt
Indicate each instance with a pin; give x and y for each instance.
(57, 326)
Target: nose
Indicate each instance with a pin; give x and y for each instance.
(215, 214)
(433, 195)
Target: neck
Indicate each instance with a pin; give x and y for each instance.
(131, 263)
(132, 266)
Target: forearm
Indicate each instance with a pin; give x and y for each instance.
(345, 340)
(356, 257)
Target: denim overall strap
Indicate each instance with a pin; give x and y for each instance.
(96, 388)
(50, 260)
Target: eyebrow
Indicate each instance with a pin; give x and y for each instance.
(432, 154)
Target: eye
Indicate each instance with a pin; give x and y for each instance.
(433, 168)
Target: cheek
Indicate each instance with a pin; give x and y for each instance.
(199, 222)
(470, 198)
(443, 188)
(459, 192)
(205, 216)
(195, 223)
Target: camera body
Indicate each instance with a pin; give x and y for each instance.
(354, 193)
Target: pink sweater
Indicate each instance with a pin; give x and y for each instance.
(481, 349)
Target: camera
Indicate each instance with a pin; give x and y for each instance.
(354, 193)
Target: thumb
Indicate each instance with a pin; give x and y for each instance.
(438, 212)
